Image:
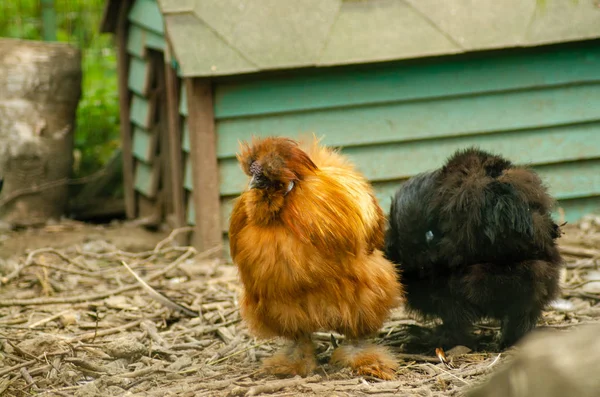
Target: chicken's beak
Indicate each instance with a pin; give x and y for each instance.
(252, 183)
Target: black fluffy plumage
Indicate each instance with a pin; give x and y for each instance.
(475, 240)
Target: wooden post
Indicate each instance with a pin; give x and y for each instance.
(175, 159)
(205, 172)
(124, 103)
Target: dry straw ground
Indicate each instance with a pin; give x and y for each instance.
(75, 322)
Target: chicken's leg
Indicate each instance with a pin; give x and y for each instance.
(366, 359)
(515, 326)
(297, 359)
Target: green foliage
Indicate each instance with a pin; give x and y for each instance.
(78, 23)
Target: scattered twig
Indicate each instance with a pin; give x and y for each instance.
(30, 382)
(171, 237)
(48, 319)
(160, 297)
(101, 295)
(104, 332)
(17, 367)
(275, 386)
(579, 251)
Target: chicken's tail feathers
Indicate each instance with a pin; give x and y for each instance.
(488, 194)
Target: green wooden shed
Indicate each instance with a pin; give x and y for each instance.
(397, 84)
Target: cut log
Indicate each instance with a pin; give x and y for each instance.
(40, 87)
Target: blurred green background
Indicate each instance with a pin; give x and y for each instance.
(76, 22)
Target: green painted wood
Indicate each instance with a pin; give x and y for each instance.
(185, 141)
(139, 76)
(566, 182)
(146, 179)
(155, 41)
(144, 144)
(575, 209)
(183, 101)
(191, 214)
(140, 111)
(448, 117)
(188, 180)
(401, 160)
(136, 41)
(140, 38)
(146, 13)
(394, 83)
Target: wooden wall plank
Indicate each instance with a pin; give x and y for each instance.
(401, 160)
(392, 83)
(146, 13)
(142, 111)
(124, 109)
(140, 39)
(135, 41)
(185, 143)
(191, 214)
(566, 182)
(397, 122)
(183, 107)
(205, 172)
(146, 179)
(174, 137)
(188, 179)
(575, 209)
(139, 76)
(144, 144)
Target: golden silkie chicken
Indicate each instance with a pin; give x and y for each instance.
(307, 237)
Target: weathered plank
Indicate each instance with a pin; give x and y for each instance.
(393, 83)
(142, 111)
(191, 214)
(146, 179)
(565, 181)
(135, 41)
(183, 108)
(204, 164)
(188, 179)
(146, 13)
(140, 39)
(139, 76)
(124, 110)
(575, 209)
(174, 137)
(442, 118)
(401, 160)
(185, 142)
(144, 144)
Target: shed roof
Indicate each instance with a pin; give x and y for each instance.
(225, 37)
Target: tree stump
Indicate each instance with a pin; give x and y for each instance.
(40, 87)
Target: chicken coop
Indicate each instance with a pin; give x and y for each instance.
(397, 84)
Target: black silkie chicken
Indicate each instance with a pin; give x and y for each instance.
(475, 240)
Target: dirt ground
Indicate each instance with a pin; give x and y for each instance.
(75, 322)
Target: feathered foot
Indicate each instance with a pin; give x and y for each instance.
(298, 359)
(367, 360)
